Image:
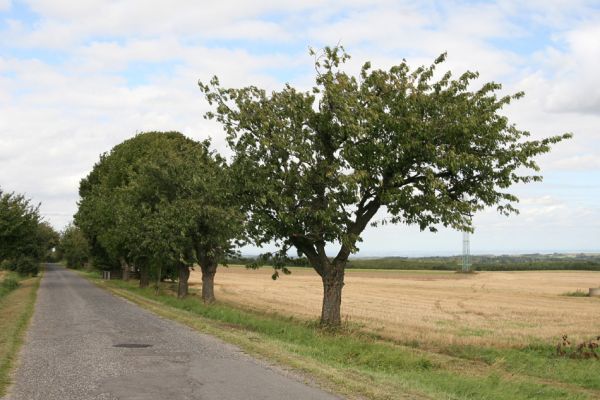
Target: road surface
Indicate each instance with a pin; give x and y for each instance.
(70, 353)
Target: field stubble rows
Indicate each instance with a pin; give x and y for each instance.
(431, 307)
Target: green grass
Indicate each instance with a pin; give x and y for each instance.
(577, 293)
(9, 283)
(474, 332)
(536, 360)
(16, 308)
(358, 364)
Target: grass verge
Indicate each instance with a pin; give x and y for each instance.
(16, 308)
(359, 365)
(7, 284)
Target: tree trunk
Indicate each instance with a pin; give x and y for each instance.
(184, 275)
(124, 268)
(144, 277)
(333, 282)
(208, 266)
(209, 270)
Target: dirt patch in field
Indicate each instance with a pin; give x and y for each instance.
(487, 308)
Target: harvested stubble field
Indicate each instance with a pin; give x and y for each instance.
(430, 307)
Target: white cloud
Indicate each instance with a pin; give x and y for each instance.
(66, 24)
(56, 120)
(575, 80)
(580, 162)
(58, 116)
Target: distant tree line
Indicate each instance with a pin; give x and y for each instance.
(580, 262)
(480, 263)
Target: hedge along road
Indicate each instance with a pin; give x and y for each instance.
(79, 346)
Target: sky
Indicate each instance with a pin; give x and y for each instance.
(78, 77)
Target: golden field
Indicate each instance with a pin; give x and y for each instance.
(486, 308)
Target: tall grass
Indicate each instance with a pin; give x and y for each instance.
(16, 309)
(8, 284)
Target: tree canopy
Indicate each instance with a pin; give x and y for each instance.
(315, 167)
(159, 200)
(24, 238)
(19, 221)
(74, 247)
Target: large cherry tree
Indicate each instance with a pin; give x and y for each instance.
(314, 168)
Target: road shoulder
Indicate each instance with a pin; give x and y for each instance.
(16, 311)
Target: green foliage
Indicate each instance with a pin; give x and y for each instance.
(25, 239)
(48, 240)
(577, 293)
(6, 265)
(19, 221)
(74, 247)
(9, 284)
(157, 200)
(27, 266)
(22, 265)
(316, 167)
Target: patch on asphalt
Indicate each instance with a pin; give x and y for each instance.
(133, 345)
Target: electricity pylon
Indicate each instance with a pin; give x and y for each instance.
(466, 254)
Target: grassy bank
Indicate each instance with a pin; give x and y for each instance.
(16, 307)
(8, 283)
(357, 364)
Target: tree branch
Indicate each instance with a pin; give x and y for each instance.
(306, 246)
(357, 227)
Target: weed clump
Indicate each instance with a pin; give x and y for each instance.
(8, 285)
(584, 350)
(577, 293)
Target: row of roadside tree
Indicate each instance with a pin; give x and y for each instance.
(160, 203)
(309, 171)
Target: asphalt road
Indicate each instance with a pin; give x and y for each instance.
(70, 353)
